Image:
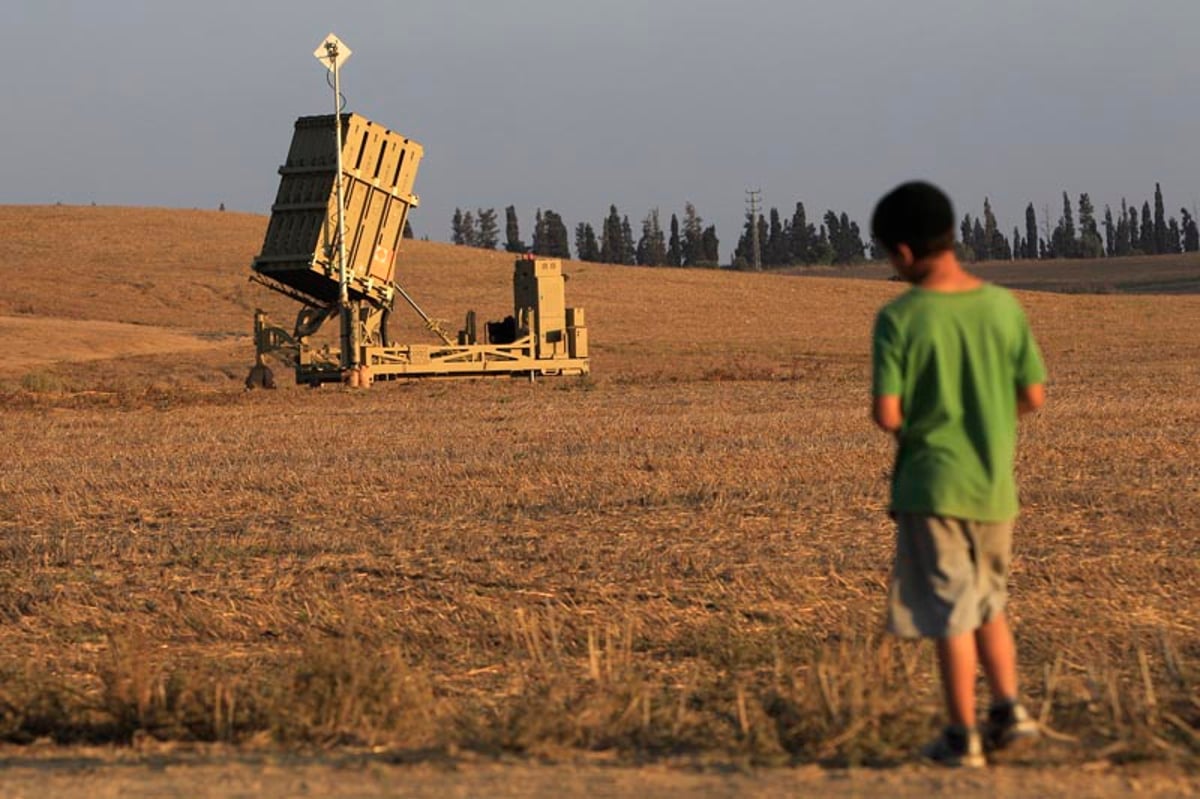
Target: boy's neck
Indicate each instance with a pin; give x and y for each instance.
(943, 272)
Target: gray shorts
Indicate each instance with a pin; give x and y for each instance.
(950, 575)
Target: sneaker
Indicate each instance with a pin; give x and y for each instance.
(956, 747)
(1009, 726)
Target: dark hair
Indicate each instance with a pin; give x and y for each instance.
(918, 214)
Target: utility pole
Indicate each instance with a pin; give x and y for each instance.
(752, 199)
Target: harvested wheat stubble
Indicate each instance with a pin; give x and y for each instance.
(685, 553)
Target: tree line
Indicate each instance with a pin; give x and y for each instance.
(835, 238)
(1078, 234)
(798, 242)
(683, 243)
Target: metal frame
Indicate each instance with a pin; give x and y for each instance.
(379, 360)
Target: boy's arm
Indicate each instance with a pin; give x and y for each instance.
(886, 412)
(1030, 371)
(887, 373)
(1030, 398)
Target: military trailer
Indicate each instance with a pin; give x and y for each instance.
(300, 259)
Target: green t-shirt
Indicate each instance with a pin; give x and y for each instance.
(956, 361)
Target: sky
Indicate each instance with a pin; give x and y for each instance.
(575, 106)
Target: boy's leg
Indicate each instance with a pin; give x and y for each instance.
(957, 660)
(991, 645)
(998, 655)
(933, 594)
(991, 543)
(1008, 721)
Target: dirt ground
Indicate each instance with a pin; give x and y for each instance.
(38, 342)
(719, 456)
(112, 773)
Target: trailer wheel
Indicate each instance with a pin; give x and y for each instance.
(260, 377)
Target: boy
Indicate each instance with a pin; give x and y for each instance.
(953, 364)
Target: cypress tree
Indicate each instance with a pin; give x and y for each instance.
(878, 253)
(1161, 242)
(743, 252)
(995, 245)
(1068, 225)
(979, 241)
(844, 239)
(468, 229)
(710, 247)
(1189, 236)
(1123, 246)
(586, 246)
(987, 244)
(853, 244)
(512, 233)
(1173, 235)
(1090, 244)
(803, 237)
(1000, 249)
(562, 241)
(1135, 236)
(674, 244)
(610, 237)
(553, 236)
(776, 251)
(1148, 238)
(487, 234)
(693, 236)
(1110, 233)
(540, 244)
(652, 246)
(457, 232)
(1031, 234)
(743, 255)
(628, 248)
(1190, 233)
(822, 250)
(965, 236)
(833, 231)
(1064, 234)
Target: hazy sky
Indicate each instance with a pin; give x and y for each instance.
(574, 105)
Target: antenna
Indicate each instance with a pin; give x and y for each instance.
(752, 199)
(333, 53)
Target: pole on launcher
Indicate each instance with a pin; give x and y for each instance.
(336, 53)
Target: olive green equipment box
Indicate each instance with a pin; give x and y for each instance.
(299, 259)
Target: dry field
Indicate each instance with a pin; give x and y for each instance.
(683, 556)
(1178, 274)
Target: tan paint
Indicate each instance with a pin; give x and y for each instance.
(298, 259)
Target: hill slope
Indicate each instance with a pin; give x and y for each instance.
(177, 281)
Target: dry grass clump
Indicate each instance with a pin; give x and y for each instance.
(43, 383)
(685, 554)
